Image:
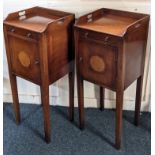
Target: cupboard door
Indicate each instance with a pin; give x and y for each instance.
(24, 58)
(97, 62)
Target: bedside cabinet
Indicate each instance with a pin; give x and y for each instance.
(39, 49)
(110, 51)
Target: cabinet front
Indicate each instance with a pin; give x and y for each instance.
(97, 62)
(24, 57)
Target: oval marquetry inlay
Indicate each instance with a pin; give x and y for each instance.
(24, 59)
(97, 63)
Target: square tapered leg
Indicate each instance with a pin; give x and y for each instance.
(71, 95)
(138, 100)
(102, 94)
(119, 107)
(16, 107)
(80, 101)
(46, 112)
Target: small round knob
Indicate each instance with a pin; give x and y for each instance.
(86, 34)
(80, 59)
(37, 62)
(106, 38)
(29, 34)
(12, 30)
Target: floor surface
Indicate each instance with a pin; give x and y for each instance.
(67, 139)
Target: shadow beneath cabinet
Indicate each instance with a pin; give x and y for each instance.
(26, 121)
(65, 115)
(94, 131)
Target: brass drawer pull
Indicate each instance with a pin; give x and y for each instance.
(29, 35)
(86, 35)
(12, 30)
(36, 62)
(106, 38)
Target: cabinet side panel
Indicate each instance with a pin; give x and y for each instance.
(135, 49)
(60, 51)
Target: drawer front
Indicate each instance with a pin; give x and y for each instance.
(24, 58)
(22, 33)
(97, 62)
(99, 37)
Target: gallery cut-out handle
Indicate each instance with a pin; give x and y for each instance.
(61, 21)
(21, 13)
(89, 18)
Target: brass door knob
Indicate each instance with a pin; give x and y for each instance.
(36, 62)
(80, 59)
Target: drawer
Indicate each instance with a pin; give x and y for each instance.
(22, 33)
(98, 37)
(97, 62)
(24, 58)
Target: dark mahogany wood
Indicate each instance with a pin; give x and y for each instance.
(71, 95)
(81, 101)
(13, 82)
(14, 89)
(138, 99)
(110, 51)
(80, 90)
(39, 48)
(102, 94)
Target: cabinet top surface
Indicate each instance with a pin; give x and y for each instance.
(34, 22)
(109, 24)
(110, 21)
(34, 19)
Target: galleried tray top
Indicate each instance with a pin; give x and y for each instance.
(35, 19)
(109, 21)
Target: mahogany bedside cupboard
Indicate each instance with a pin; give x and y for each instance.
(110, 51)
(39, 49)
